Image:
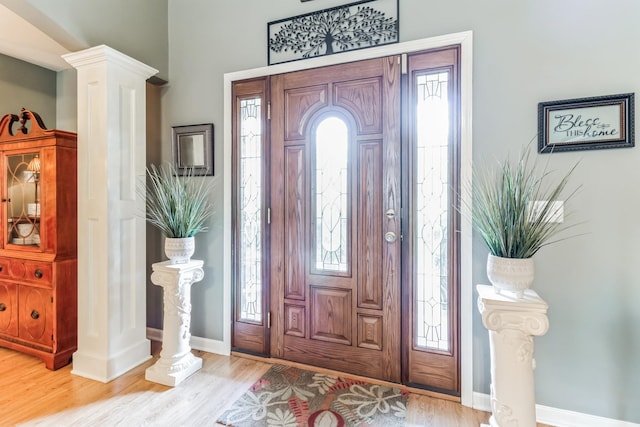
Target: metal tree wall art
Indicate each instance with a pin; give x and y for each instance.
(339, 29)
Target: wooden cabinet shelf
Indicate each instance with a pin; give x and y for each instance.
(38, 247)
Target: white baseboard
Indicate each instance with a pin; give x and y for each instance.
(154, 334)
(557, 417)
(196, 343)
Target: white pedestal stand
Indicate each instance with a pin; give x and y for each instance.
(511, 323)
(176, 360)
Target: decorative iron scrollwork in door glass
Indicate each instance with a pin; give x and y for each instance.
(250, 201)
(331, 193)
(432, 211)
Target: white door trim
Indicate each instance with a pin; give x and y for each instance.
(465, 40)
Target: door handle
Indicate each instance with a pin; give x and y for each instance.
(390, 236)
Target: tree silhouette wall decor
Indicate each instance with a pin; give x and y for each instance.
(338, 29)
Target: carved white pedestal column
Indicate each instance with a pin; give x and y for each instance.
(176, 360)
(511, 323)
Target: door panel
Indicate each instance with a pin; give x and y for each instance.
(335, 285)
(370, 243)
(295, 211)
(363, 99)
(301, 104)
(331, 314)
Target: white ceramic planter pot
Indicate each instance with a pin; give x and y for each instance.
(179, 250)
(510, 274)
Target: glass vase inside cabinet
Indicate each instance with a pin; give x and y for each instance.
(23, 180)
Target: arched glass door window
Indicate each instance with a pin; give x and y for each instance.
(331, 195)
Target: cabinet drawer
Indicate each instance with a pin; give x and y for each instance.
(38, 272)
(5, 264)
(31, 271)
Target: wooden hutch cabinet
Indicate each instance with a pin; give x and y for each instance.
(38, 247)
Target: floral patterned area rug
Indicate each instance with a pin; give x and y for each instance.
(292, 397)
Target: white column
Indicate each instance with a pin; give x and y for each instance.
(111, 227)
(176, 360)
(512, 323)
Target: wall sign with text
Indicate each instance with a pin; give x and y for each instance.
(586, 123)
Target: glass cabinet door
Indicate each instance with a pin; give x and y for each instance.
(23, 199)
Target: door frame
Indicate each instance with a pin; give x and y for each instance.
(465, 40)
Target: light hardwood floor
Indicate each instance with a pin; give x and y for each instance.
(31, 395)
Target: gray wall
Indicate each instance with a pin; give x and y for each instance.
(67, 100)
(137, 28)
(155, 239)
(29, 86)
(524, 52)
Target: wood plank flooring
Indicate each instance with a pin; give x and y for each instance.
(31, 395)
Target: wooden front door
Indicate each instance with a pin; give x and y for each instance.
(335, 217)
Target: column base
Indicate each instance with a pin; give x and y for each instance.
(93, 365)
(172, 372)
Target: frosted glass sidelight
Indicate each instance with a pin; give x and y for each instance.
(250, 201)
(432, 204)
(331, 192)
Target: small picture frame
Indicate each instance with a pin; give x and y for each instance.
(193, 148)
(586, 123)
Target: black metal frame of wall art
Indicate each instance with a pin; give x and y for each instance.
(353, 26)
(586, 123)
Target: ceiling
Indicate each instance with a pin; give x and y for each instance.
(23, 40)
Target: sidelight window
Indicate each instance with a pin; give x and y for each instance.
(250, 203)
(432, 211)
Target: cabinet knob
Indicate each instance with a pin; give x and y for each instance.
(38, 274)
(35, 315)
(3, 306)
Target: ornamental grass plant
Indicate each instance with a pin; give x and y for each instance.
(177, 204)
(512, 206)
